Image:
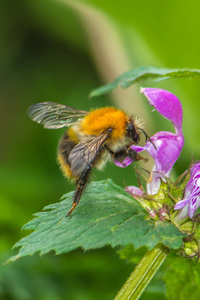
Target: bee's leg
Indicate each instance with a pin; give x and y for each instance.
(80, 185)
(126, 152)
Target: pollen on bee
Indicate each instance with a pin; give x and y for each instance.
(101, 119)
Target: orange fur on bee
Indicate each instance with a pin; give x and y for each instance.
(100, 119)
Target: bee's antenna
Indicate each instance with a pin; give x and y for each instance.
(147, 137)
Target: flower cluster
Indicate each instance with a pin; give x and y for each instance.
(165, 148)
(191, 200)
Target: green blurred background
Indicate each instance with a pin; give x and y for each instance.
(59, 51)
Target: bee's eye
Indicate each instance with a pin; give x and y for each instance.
(132, 133)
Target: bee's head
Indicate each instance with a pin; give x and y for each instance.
(132, 132)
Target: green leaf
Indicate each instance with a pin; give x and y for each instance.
(131, 255)
(182, 279)
(144, 73)
(106, 215)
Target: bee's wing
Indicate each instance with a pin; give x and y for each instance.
(84, 153)
(53, 115)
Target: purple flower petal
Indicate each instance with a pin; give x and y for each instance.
(168, 149)
(133, 190)
(126, 162)
(165, 147)
(191, 200)
(167, 104)
(192, 207)
(181, 204)
(168, 144)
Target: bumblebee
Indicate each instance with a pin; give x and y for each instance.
(92, 139)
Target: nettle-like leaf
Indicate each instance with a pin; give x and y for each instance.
(182, 277)
(144, 73)
(106, 215)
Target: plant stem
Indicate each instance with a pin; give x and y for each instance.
(143, 273)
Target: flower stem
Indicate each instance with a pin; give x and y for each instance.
(143, 273)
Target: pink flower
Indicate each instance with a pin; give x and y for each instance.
(168, 144)
(191, 199)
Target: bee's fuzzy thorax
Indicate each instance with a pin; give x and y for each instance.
(101, 119)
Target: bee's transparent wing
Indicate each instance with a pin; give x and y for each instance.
(53, 115)
(85, 152)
